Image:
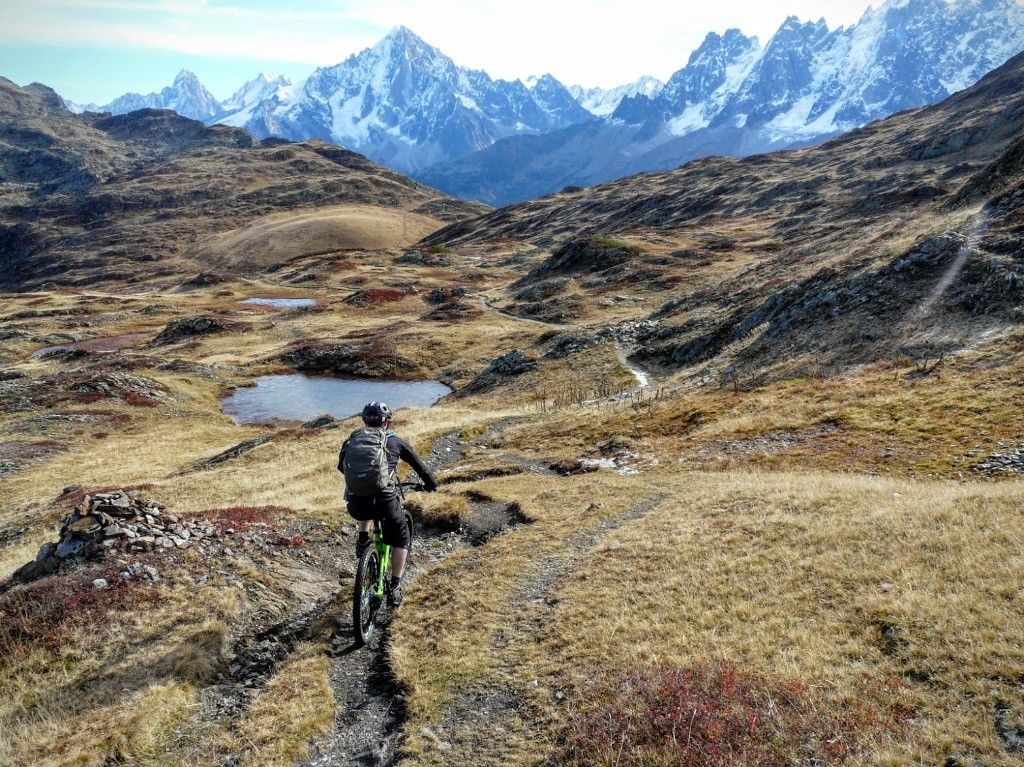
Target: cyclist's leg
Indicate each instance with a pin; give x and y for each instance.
(398, 557)
(362, 510)
(396, 532)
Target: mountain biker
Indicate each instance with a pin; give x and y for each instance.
(385, 505)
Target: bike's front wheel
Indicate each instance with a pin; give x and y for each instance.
(365, 600)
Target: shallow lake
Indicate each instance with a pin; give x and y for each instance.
(280, 303)
(298, 397)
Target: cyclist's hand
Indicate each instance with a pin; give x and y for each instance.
(429, 486)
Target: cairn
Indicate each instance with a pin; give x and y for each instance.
(114, 520)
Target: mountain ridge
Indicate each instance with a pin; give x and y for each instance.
(407, 105)
(902, 236)
(734, 98)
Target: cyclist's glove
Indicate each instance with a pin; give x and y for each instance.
(430, 486)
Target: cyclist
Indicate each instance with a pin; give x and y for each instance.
(384, 504)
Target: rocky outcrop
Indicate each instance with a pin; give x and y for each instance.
(190, 327)
(444, 295)
(366, 359)
(453, 311)
(1007, 462)
(510, 365)
(584, 255)
(567, 345)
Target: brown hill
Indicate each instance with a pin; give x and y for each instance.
(89, 198)
(904, 237)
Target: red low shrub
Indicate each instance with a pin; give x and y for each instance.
(46, 612)
(384, 295)
(722, 716)
(243, 517)
(137, 400)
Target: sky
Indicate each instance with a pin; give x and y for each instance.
(91, 51)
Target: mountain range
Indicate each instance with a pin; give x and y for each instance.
(406, 105)
(92, 197)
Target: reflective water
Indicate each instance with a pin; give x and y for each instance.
(95, 344)
(298, 397)
(280, 303)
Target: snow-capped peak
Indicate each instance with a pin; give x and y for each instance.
(602, 102)
(266, 85)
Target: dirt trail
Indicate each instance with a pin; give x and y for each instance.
(370, 709)
(622, 348)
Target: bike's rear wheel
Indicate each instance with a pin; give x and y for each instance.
(365, 601)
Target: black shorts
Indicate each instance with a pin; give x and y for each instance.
(388, 509)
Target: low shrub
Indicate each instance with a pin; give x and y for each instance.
(243, 517)
(46, 612)
(719, 715)
(137, 400)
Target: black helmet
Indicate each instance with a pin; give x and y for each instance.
(376, 413)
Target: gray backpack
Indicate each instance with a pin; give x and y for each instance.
(366, 461)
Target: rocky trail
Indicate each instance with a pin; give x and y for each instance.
(370, 709)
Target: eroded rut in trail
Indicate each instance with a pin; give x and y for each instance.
(370, 709)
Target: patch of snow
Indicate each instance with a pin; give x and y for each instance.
(690, 120)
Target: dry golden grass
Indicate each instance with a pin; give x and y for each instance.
(294, 709)
(281, 237)
(820, 578)
(772, 558)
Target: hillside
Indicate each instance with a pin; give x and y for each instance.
(89, 198)
(730, 472)
(829, 253)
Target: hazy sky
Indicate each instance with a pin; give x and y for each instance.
(95, 50)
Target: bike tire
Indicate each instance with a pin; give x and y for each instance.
(365, 602)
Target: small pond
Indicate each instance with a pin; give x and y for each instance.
(298, 397)
(100, 345)
(280, 303)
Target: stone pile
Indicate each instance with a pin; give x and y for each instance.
(1009, 462)
(114, 520)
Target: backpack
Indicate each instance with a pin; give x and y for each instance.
(366, 461)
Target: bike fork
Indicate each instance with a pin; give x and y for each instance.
(382, 576)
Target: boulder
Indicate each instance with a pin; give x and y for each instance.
(509, 365)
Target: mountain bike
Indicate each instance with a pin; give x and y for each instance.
(373, 576)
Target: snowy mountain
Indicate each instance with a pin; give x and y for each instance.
(602, 103)
(810, 82)
(405, 104)
(734, 97)
(187, 96)
(266, 86)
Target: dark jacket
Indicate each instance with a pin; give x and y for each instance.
(398, 449)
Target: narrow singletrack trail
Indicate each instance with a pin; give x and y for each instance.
(370, 710)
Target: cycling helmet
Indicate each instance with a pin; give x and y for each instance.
(376, 413)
